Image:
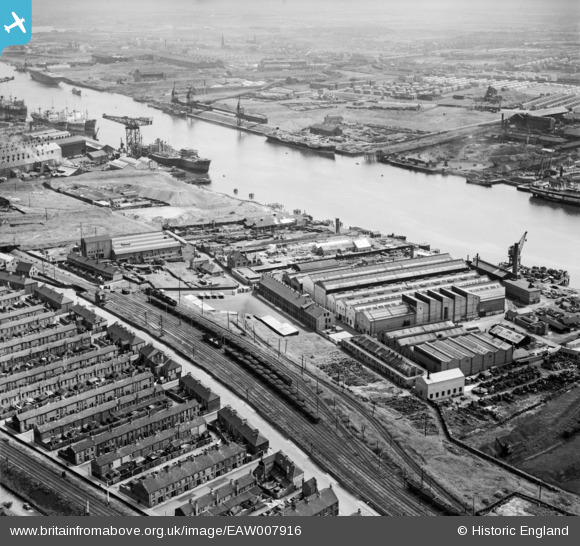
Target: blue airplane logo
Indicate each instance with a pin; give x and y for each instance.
(17, 23)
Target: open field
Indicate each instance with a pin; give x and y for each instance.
(187, 204)
(51, 219)
(429, 120)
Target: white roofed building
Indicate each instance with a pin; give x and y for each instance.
(441, 385)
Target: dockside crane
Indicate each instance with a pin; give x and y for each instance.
(132, 131)
(515, 254)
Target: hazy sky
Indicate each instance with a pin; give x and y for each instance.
(436, 12)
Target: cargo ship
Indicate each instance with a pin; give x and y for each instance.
(47, 78)
(568, 195)
(186, 159)
(75, 122)
(411, 163)
(13, 109)
(318, 145)
(478, 181)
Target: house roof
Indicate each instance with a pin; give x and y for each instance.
(313, 505)
(52, 295)
(250, 435)
(134, 425)
(107, 269)
(118, 331)
(186, 468)
(86, 314)
(24, 267)
(198, 388)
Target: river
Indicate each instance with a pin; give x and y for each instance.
(453, 216)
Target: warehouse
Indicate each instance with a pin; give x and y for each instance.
(522, 291)
(298, 306)
(105, 272)
(399, 305)
(441, 385)
(145, 248)
(381, 359)
(72, 146)
(347, 271)
(97, 248)
(472, 353)
(373, 276)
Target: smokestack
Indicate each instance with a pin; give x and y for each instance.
(337, 225)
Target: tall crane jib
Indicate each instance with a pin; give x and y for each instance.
(515, 254)
(133, 136)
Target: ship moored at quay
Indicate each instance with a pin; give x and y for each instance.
(411, 163)
(13, 109)
(560, 194)
(73, 121)
(47, 78)
(186, 159)
(318, 145)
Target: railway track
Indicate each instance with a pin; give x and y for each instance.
(293, 369)
(329, 442)
(71, 491)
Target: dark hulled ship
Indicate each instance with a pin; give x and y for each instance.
(13, 109)
(186, 159)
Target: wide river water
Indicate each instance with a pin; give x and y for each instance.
(453, 216)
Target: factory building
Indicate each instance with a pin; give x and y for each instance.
(390, 364)
(142, 248)
(462, 301)
(298, 306)
(320, 285)
(441, 385)
(522, 291)
(445, 345)
(145, 248)
(25, 156)
(72, 146)
(471, 353)
(106, 272)
(96, 248)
